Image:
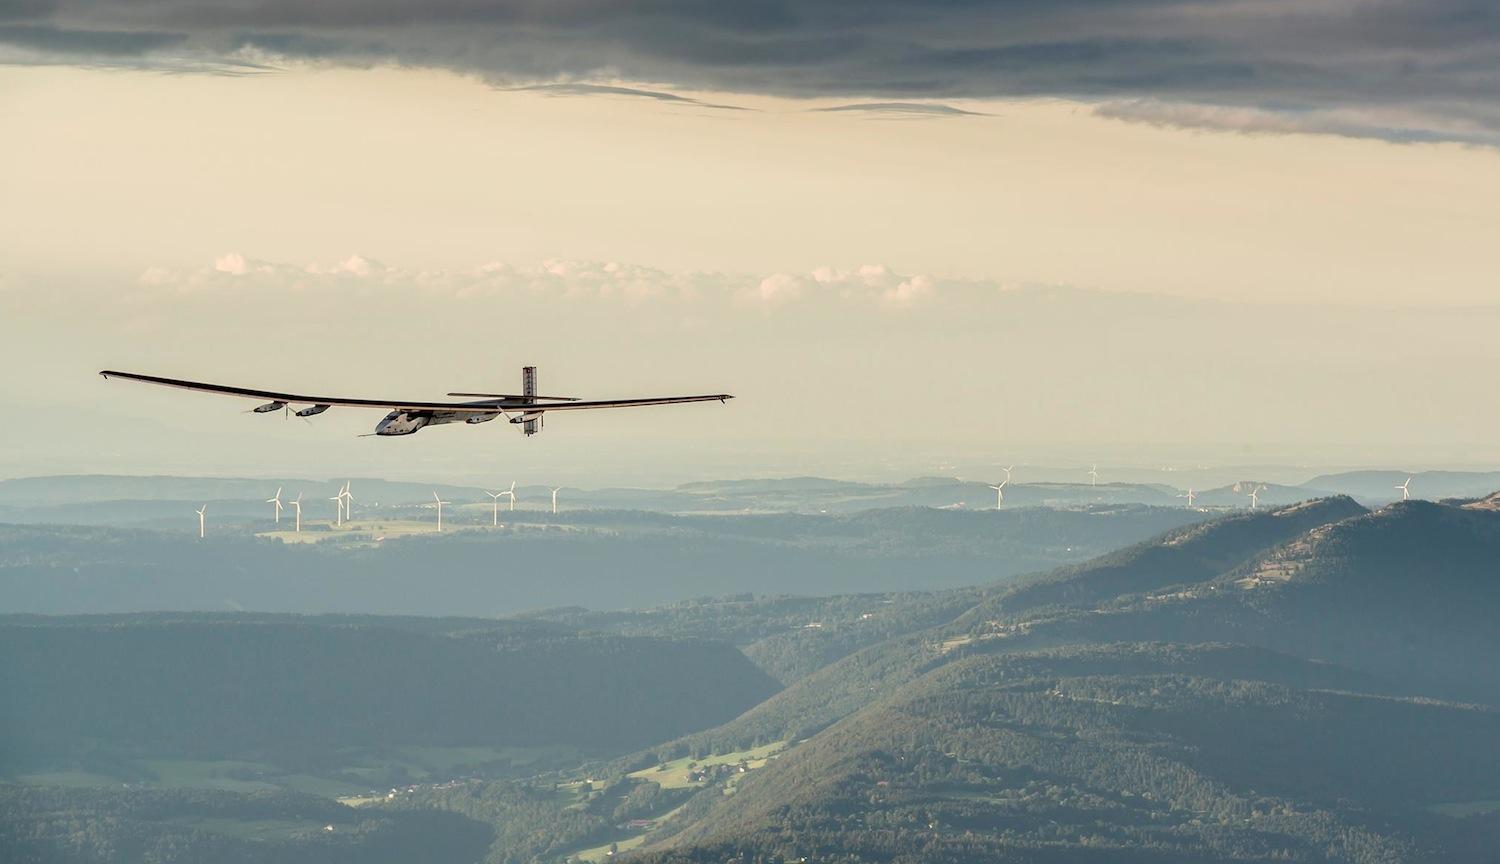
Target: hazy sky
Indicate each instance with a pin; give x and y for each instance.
(1179, 230)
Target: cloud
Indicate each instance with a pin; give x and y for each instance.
(909, 291)
(1432, 66)
(233, 263)
(779, 288)
(1345, 123)
(868, 285)
(904, 109)
(579, 89)
(105, 43)
(354, 265)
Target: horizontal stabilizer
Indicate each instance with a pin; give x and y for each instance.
(512, 396)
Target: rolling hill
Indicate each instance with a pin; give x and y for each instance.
(1121, 753)
(1311, 683)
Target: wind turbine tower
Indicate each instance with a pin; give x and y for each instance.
(297, 505)
(495, 507)
(1000, 492)
(554, 500)
(338, 501)
(276, 500)
(200, 520)
(440, 503)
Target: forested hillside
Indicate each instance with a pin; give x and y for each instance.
(287, 689)
(858, 678)
(786, 635)
(1127, 753)
(1410, 592)
(1038, 726)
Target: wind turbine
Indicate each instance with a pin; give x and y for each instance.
(495, 508)
(200, 520)
(440, 503)
(1007, 469)
(338, 501)
(554, 500)
(1000, 492)
(297, 504)
(1255, 495)
(348, 501)
(276, 499)
(1190, 496)
(1405, 490)
(512, 493)
(1093, 475)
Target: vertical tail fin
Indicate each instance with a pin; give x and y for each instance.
(528, 389)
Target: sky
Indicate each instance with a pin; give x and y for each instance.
(910, 239)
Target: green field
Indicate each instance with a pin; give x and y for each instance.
(601, 853)
(70, 779)
(1460, 809)
(674, 774)
(367, 532)
(358, 532)
(249, 829)
(227, 775)
(670, 775)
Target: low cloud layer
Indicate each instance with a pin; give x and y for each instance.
(903, 109)
(579, 89)
(873, 286)
(1405, 69)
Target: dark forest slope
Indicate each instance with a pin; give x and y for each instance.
(221, 686)
(1044, 726)
(1124, 753)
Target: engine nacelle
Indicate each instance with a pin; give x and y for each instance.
(530, 422)
(269, 407)
(402, 422)
(311, 410)
(481, 418)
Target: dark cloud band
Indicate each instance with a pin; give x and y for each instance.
(1421, 69)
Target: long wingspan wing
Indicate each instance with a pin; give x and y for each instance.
(491, 406)
(274, 396)
(614, 403)
(516, 396)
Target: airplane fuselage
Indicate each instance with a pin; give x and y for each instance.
(407, 422)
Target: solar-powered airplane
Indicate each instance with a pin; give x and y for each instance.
(524, 409)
